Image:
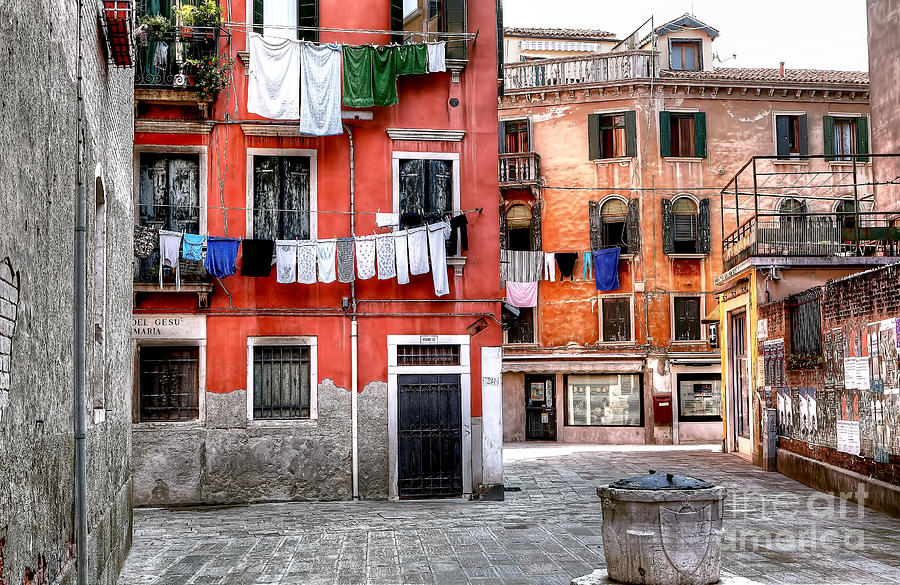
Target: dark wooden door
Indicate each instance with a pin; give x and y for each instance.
(429, 436)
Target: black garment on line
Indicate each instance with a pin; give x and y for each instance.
(566, 263)
(410, 219)
(257, 257)
(459, 224)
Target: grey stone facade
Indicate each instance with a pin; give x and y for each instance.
(226, 459)
(37, 197)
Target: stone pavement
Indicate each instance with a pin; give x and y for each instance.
(778, 531)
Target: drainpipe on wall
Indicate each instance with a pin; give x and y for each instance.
(354, 339)
(80, 323)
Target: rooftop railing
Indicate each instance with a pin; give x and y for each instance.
(577, 71)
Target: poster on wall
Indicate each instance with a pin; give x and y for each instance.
(848, 436)
(537, 392)
(887, 356)
(802, 406)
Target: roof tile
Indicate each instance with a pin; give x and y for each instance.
(581, 33)
(772, 74)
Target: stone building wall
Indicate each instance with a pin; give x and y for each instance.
(37, 198)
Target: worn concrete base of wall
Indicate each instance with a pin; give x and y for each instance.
(828, 478)
(600, 577)
(231, 460)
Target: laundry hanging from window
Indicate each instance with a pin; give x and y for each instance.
(273, 85)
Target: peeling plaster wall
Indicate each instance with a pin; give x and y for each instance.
(231, 460)
(884, 65)
(37, 197)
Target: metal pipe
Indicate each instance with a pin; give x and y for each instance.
(354, 339)
(80, 323)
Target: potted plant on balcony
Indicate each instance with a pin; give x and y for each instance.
(185, 18)
(209, 17)
(157, 25)
(211, 74)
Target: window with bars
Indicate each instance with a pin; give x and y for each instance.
(687, 318)
(281, 382)
(616, 315)
(806, 324)
(168, 388)
(427, 355)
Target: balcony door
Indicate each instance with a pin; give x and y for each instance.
(740, 388)
(515, 142)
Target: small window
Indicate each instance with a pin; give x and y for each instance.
(434, 16)
(806, 324)
(168, 388)
(613, 214)
(281, 382)
(790, 136)
(516, 136)
(699, 397)
(687, 318)
(685, 225)
(682, 141)
(279, 19)
(518, 227)
(793, 212)
(616, 315)
(604, 400)
(612, 135)
(846, 213)
(427, 355)
(685, 55)
(519, 328)
(426, 190)
(281, 197)
(844, 138)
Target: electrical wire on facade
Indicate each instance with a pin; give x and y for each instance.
(247, 26)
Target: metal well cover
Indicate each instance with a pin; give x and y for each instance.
(661, 481)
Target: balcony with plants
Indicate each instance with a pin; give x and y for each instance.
(177, 55)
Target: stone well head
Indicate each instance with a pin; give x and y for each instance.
(662, 529)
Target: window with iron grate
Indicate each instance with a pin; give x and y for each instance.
(169, 384)
(281, 382)
(428, 355)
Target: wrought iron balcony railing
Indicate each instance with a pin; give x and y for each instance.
(578, 71)
(813, 235)
(519, 169)
(163, 61)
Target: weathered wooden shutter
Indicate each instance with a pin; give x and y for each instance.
(595, 225)
(828, 131)
(633, 226)
(440, 187)
(782, 137)
(700, 134)
(412, 186)
(804, 136)
(308, 15)
(616, 319)
(258, 12)
(668, 231)
(456, 23)
(504, 240)
(267, 178)
(687, 318)
(593, 136)
(665, 135)
(530, 135)
(630, 133)
(397, 20)
(184, 194)
(704, 236)
(862, 138)
(501, 137)
(154, 191)
(294, 199)
(536, 239)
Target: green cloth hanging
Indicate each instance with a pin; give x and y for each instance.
(358, 76)
(384, 75)
(412, 59)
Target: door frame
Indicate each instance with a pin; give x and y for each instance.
(740, 444)
(530, 378)
(465, 381)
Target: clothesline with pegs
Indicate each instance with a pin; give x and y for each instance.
(442, 35)
(219, 207)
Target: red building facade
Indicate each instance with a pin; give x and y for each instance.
(247, 389)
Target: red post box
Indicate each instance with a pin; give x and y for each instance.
(662, 409)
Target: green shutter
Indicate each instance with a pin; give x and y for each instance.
(593, 136)
(804, 136)
(633, 226)
(665, 135)
(456, 23)
(308, 15)
(668, 232)
(630, 134)
(828, 131)
(258, 16)
(501, 137)
(700, 135)
(862, 138)
(782, 137)
(397, 20)
(705, 236)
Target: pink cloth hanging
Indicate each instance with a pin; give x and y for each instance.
(521, 294)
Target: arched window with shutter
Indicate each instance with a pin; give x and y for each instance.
(518, 227)
(685, 225)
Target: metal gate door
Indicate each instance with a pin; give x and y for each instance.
(429, 436)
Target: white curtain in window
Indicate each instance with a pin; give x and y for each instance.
(278, 14)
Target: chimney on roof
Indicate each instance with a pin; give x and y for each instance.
(782, 69)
